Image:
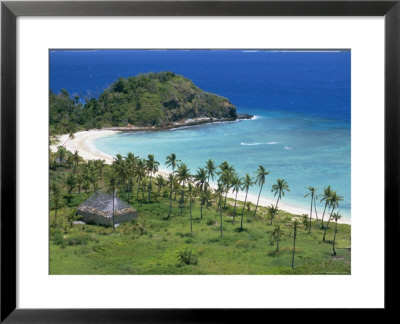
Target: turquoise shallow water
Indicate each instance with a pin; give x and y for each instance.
(301, 149)
(303, 100)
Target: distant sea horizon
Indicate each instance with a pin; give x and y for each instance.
(301, 100)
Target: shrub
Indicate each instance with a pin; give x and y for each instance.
(274, 253)
(139, 228)
(72, 217)
(210, 221)
(165, 194)
(77, 240)
(287, 219)
(57, 237)
(187, 257)
(305, 221)
(248, 205)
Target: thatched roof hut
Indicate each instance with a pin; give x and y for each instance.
(98, 209)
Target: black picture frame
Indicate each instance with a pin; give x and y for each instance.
(10, 10)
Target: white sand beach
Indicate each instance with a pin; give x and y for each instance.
(83, 143)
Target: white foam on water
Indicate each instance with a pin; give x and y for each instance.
(268, 143)
(251, 144)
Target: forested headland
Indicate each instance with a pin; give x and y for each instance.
(151, 99)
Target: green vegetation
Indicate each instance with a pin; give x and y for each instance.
(152, 99)
(184, 226)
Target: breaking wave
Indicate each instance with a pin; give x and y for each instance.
(251, 144)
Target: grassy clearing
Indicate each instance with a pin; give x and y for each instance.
(153, 245)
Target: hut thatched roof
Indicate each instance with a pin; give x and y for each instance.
(101, 203)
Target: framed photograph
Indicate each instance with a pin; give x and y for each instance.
(179, 155)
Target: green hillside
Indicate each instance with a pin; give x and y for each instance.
(152, 99)
(181, 229)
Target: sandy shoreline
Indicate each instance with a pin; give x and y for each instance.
(83, 143)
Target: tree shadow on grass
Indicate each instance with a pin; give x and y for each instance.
(239, 230)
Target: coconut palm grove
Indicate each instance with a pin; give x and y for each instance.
(185, 226)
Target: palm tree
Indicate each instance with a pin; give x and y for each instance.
(79, 181)
(160, 182)
(85, 170)
(61, 153)
(70, 159)
(71, 135)
(89, 177)
(152, 168)
(336, 216)
(171, 180)
(315, 209)
(272, 212)
(129, 188)
(93, 179)
(190, 190)
(247, 183)
(311, 194)
(70, 182)
(295, 222)
(279, 189)
(183, 175)
(260, 179)
(236, 184)
(176, 187)
(77, 158)
(56, 199)
(326, 197)
(201, 180)
(207, 194)
(210, 167)
(196, 192)
(171, 161)
(304, 221)
(140, 173)
(225, 166)
(100, 166)
(85, 185)
(121, 169)
(224, 181)
(334, 203)
(112, 188)
(131, 161)
(227, 181)
(220, 192)
(277, 234)
(145, 184)
(226, 174)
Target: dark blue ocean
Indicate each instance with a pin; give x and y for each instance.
(301, 101)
